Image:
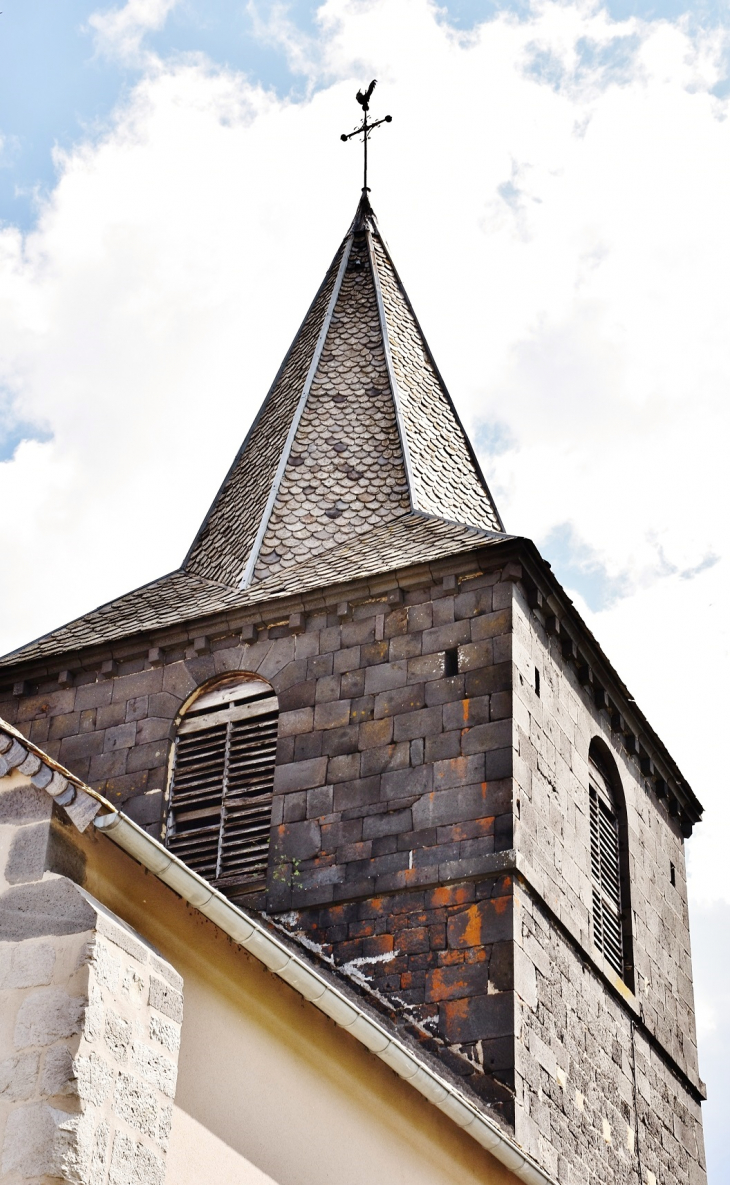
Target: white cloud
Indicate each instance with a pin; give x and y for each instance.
(275, 27)
(555, 191)
(119, 33)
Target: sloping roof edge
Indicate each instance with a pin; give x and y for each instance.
(250, 565)
(318, 986)
(560, 616)
(19, 755)
(255, 422)
(233, 599)
(440, 379)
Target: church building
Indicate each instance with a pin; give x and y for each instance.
(343, 850)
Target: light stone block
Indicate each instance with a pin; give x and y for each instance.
(83, 1097)
(30, 1136)
(59, 1072)
(18, 1075)
(26, 964)
(167, 1033)
(46, 1015)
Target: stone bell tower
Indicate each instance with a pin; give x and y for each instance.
(364, 709)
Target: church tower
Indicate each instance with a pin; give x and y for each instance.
(366, 712)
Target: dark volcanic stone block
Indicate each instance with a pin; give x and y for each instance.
(478, 1017)
(457, 982)
(482, 923)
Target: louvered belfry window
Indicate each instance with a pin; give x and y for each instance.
(606, 871)
(222, 782)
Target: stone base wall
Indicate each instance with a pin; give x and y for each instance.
(90, 1022)
(594, 1100)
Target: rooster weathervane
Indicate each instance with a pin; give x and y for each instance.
(365, 128)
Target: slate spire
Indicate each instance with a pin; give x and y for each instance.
(356, 431)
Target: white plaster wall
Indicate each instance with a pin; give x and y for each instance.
(194, 1149)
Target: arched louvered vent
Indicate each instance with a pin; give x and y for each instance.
(222, 782)
(606, 871)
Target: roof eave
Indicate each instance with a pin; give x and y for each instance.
(542, 586)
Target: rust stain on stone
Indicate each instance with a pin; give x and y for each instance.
(450, 895)
(459, 1010)
(450, 958)
(445, 986)
(472, 932)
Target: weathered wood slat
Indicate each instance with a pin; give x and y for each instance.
(222, 785)
(235, 691)
(607, 930)
(262, 707)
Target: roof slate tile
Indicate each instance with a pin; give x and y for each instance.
(375, 433)
(373, 467)
(180, 597)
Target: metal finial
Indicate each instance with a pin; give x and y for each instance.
(365, 128)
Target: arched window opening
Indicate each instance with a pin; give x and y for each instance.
(222, 782)
(609, 867)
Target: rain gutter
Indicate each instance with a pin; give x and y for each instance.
(319, 990)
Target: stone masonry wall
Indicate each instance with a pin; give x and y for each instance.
(393, 773)
(440, 960)
(395, 747)
(380, 714)
(553, 733)
(595, 1100)
(112, 730)
(577, 1093)
(89, 1019)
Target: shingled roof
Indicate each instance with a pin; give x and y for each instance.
(356, 463)
(357, 430)
(179, 596)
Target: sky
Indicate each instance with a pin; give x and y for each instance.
(554, 188)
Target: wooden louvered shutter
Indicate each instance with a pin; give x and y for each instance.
(222, 783)
(606, 873)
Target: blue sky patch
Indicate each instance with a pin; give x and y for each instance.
(578, 567)
(608, 62)
(13, 433)
(54, 89)
(493, 437)
(50, 91)
(611, 60)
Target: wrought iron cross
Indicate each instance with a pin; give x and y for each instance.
(365, 128)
